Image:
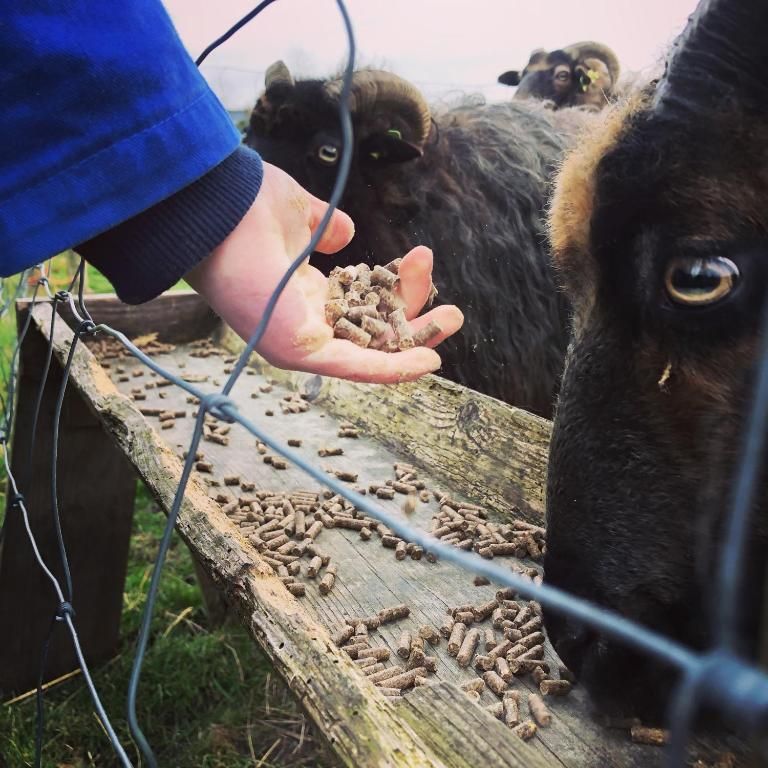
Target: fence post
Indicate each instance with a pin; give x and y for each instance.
(96, 494)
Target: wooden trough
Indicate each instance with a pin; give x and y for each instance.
(462, 443)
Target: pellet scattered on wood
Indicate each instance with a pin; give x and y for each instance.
(475, 684)
(231, 479)
(465, 617)
(526, 730)
(446, 627)
(386, 674)
(495, 682)
(362, 663)
(204, 466)
(480, 581)
(380, 654)
(417, 656)
(385, 493)
(539, 675)
(404, 645)
(328, 580)
(343, 635)
(297, 590)
(354, 648)
(406, 680)
(482, 612)
(539, 710)
(394, 613)
(555, 687)
(167, 424)
(511, 708)
(279, 463)
(468, 647)
(456, 638)
(374, 669)
(656, 737)
(430, 634)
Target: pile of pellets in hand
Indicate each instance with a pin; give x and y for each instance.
(364, 308)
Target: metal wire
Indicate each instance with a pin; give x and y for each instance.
(717, 675)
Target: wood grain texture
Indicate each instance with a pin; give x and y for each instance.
(430, 726)
(495, 453)
(360, 725)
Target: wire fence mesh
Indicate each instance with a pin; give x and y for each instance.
(717, 677)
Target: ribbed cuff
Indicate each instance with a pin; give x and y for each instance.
(147, 254)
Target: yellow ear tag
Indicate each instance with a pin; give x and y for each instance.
(376, 155)
(394, 133)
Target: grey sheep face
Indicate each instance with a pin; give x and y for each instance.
(581, 75)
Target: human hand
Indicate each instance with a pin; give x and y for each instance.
(238, 278)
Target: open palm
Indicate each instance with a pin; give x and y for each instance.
(238, 278)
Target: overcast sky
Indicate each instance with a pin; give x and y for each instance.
(441, 45)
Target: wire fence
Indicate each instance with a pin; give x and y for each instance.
(717, 677)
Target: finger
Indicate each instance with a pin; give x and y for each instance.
(415, 279)
(339, 231)
(343, 359)
(447, 316)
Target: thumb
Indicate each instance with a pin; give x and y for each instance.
(339, 231)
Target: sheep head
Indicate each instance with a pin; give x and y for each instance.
(581, 75)
(660, 233)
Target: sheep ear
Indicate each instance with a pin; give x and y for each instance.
(510, 78)
(384, 148)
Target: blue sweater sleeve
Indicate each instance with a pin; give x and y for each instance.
(104, 115)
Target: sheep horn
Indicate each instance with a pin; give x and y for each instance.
(718, 59)
(385, 91)
(277, 74)
(589, 49)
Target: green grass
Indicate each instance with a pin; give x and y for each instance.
(208, 698)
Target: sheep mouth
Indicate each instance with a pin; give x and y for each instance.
(620, 682)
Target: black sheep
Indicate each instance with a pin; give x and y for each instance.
(470, 181)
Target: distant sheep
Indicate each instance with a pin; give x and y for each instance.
(580, 75)
(470, 181)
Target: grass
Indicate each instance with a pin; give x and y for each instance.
(208, 697)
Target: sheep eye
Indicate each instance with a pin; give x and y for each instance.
(563, 76)
(328, 154)
(698, 282)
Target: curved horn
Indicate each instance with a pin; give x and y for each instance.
(589, 49)
(277, 74)
(718, 58)
(384, 90)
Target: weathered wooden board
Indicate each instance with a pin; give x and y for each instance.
(362, 726)
(429, 723)
(493, 452)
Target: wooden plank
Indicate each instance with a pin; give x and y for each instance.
(360, 725)
(495, 453)
(369, 576)
(177, 316)
(96, 492)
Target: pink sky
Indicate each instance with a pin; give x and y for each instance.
(441, 45)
